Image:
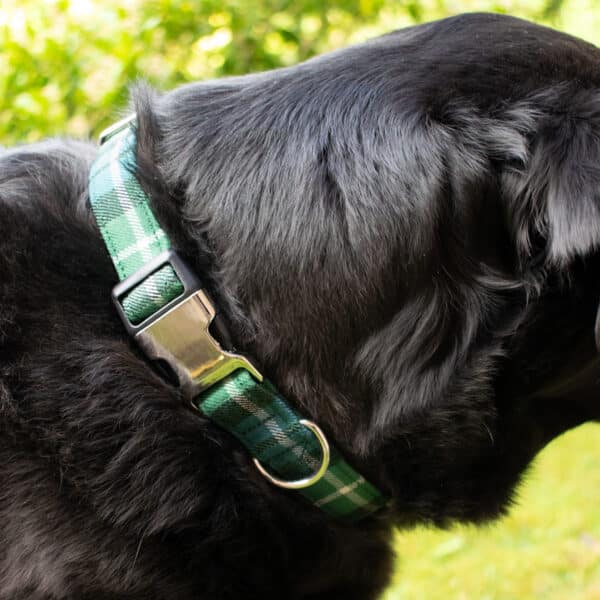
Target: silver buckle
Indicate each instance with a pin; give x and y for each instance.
(181, 338)
(178, 333)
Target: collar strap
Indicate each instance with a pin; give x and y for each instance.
(164, 307)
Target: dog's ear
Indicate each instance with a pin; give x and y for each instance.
(555, 199)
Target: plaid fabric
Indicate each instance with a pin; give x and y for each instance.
(257, 416)
(253, 412)
(130, 230)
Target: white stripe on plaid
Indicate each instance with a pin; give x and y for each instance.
(265, 418)
(342, 491)
(123, 198)
(140, 245)
(128, 209)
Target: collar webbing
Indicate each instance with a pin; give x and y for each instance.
(254, 412)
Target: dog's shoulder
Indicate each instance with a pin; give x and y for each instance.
(47, 236)
(52, 172)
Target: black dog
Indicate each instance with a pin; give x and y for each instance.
(403, 235)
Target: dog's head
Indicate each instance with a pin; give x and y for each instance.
(404, 234)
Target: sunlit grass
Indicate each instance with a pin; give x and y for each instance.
(547, 548)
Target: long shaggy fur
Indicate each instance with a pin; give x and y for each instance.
(403, 235)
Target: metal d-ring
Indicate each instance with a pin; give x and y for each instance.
(307, 481)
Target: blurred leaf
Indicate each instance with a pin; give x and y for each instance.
(67, 64)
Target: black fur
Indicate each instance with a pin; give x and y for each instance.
(403, 235)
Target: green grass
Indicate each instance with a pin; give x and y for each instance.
(548, 547)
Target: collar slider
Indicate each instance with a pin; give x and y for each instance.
(115, 128)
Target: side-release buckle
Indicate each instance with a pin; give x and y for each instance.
(178, 333)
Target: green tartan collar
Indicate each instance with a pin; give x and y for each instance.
(163, 306)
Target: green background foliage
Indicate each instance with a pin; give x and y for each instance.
(65, 66)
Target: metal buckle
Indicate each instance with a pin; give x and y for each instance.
(179, 332)
(115, 128)
(307, 481)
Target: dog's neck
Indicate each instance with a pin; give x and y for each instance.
(252, 194)
(273, 282)
(163, 305)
